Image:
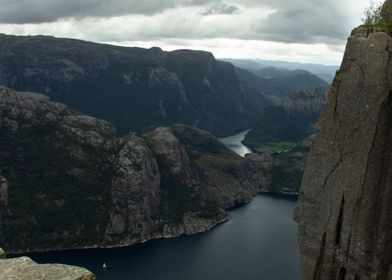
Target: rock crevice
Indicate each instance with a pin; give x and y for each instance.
(345, 216)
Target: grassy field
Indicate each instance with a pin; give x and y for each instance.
(274, 147)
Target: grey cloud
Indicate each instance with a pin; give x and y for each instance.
(221, 8)
(39, 11)
(305, 21)
(292, 21)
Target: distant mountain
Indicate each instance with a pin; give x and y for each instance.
(284, 170)
(324, 72)
(135, 89)
(276, 84)
(293, 121)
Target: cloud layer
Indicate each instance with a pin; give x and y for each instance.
(282, 21)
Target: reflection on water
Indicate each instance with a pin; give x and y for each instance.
(234, 143)
(258, 243)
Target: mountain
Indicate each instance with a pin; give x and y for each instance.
(68, 180)
(324, 72)
(135, 89)
(282, 172)
(293, 121)
(275, 85)
(344, 211)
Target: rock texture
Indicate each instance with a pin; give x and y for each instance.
(307, 101)
(70, 181)
(135, 89)
(24, 268)
(282, 172)
(276, 84)
(344, 211)
(293, 121)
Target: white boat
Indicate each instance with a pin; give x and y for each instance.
(104, 266)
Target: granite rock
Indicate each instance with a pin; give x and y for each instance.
(344, 211)
(68, 180)
(23, 268)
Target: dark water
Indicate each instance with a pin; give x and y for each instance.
(258, 243)
(234, 143)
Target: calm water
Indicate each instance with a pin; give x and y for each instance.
(234, 143)
(259, 243)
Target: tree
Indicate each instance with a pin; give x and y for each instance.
(373, 13)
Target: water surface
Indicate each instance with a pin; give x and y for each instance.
(234, 143)
(258, 243)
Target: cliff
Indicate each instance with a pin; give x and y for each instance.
(133, 88)
(70, 181)
(276, 84)
(344, 210)
(282, 172)
(292, 121)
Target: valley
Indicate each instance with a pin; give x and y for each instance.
(156, 162)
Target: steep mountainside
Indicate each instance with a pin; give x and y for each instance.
(260, 66)
(345, 211)
(293, 121)
(282, 172)
(135, 89)
(276, 85)
(69, 181)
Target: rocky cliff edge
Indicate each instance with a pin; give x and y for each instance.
(344, 210)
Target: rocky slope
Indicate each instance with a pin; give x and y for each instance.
(264, 68)
(135, 89)
(275, 85)
(283, 171)
(345, 211)
(23, 268)
(70, 181)
(293, 121)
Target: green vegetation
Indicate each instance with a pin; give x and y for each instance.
(179, 198)
(281, 126)
(376, 15)
(373, 14)
(285, 176)
(279, 131)
(273, 147)
(46, 198)
(135, 89)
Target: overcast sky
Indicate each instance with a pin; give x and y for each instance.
(294, 30)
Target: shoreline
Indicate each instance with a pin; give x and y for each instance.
(290, 196)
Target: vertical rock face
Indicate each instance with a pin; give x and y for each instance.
(70, 181)
(344, 211)
(135, 89)
(67, 180)
(135, 190)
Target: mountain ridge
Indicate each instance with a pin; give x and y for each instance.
(70, 181)
(138, 89)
